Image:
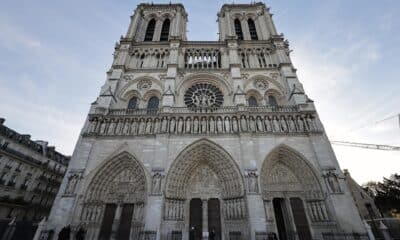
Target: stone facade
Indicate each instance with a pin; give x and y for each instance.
(30, 176)
(209, 139)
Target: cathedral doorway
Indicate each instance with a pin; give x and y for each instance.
(207, 182)
(288, 182)
(113, 207)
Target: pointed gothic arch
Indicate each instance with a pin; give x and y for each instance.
(119, 183)
(123, 168)
(285, 169)
(209, 153)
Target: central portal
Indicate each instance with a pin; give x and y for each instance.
(205, 219)
(204, 194)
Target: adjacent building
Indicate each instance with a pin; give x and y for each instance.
(30, 176)
(204, 139)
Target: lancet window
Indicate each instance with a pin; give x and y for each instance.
(252, 29)
(165, 30)
(150, 30)
(238, 29)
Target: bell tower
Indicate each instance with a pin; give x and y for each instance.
(245, 22)
(158, 22)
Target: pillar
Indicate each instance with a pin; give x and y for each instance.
(205, 218)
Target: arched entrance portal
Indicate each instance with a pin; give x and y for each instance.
(114, 202)
(204, 194)
(292, 194)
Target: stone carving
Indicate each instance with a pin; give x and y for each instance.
(294, 124)
(174, 209)
(287, 171)
(234, 209)
(210, 157)
(332, 181)
(73, 180)
(252, 181)
(260, 84)
(157, 181)
(317, 210)
(144, 84)
(128, 77)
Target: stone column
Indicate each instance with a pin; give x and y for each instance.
(117, 218)
(205, 218)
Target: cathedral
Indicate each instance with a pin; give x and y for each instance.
(210, 140)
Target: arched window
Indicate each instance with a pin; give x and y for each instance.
(272, 101)
(252, 29)
(238, 29)
(150, 30)
(133, 103)
(153, 103)
(253, 101)
(165, 30)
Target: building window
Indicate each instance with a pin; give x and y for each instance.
(153, 103)
(165, 30)
(133, 103)
(252, 101)
(150, 30)
(238, 29)
(252, 29)
(272, 101)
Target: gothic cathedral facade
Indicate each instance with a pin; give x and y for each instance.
(204, 140)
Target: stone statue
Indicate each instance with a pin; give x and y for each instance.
(275, 123)
(148, 126)
(180, 125)
(172, 125)
(333, 182)
(141, 126)
(283, 124)
(212, 125)
(164, 125)
(300, 124)
(259, 124)
(252, 182)
(292, 125)
(156, 126)
(188, 124)
(156, 184)
(227, 125)
(243, 123)
(195, 125)
(220, 128)
(203, 125)
(235, 127)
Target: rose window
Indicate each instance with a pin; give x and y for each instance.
(203, 95)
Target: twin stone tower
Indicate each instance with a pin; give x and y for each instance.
(204, 140)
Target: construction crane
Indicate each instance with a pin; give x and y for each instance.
(367, 145)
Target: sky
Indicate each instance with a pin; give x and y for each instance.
(54, 56)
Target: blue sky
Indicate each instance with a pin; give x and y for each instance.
(54, 56)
